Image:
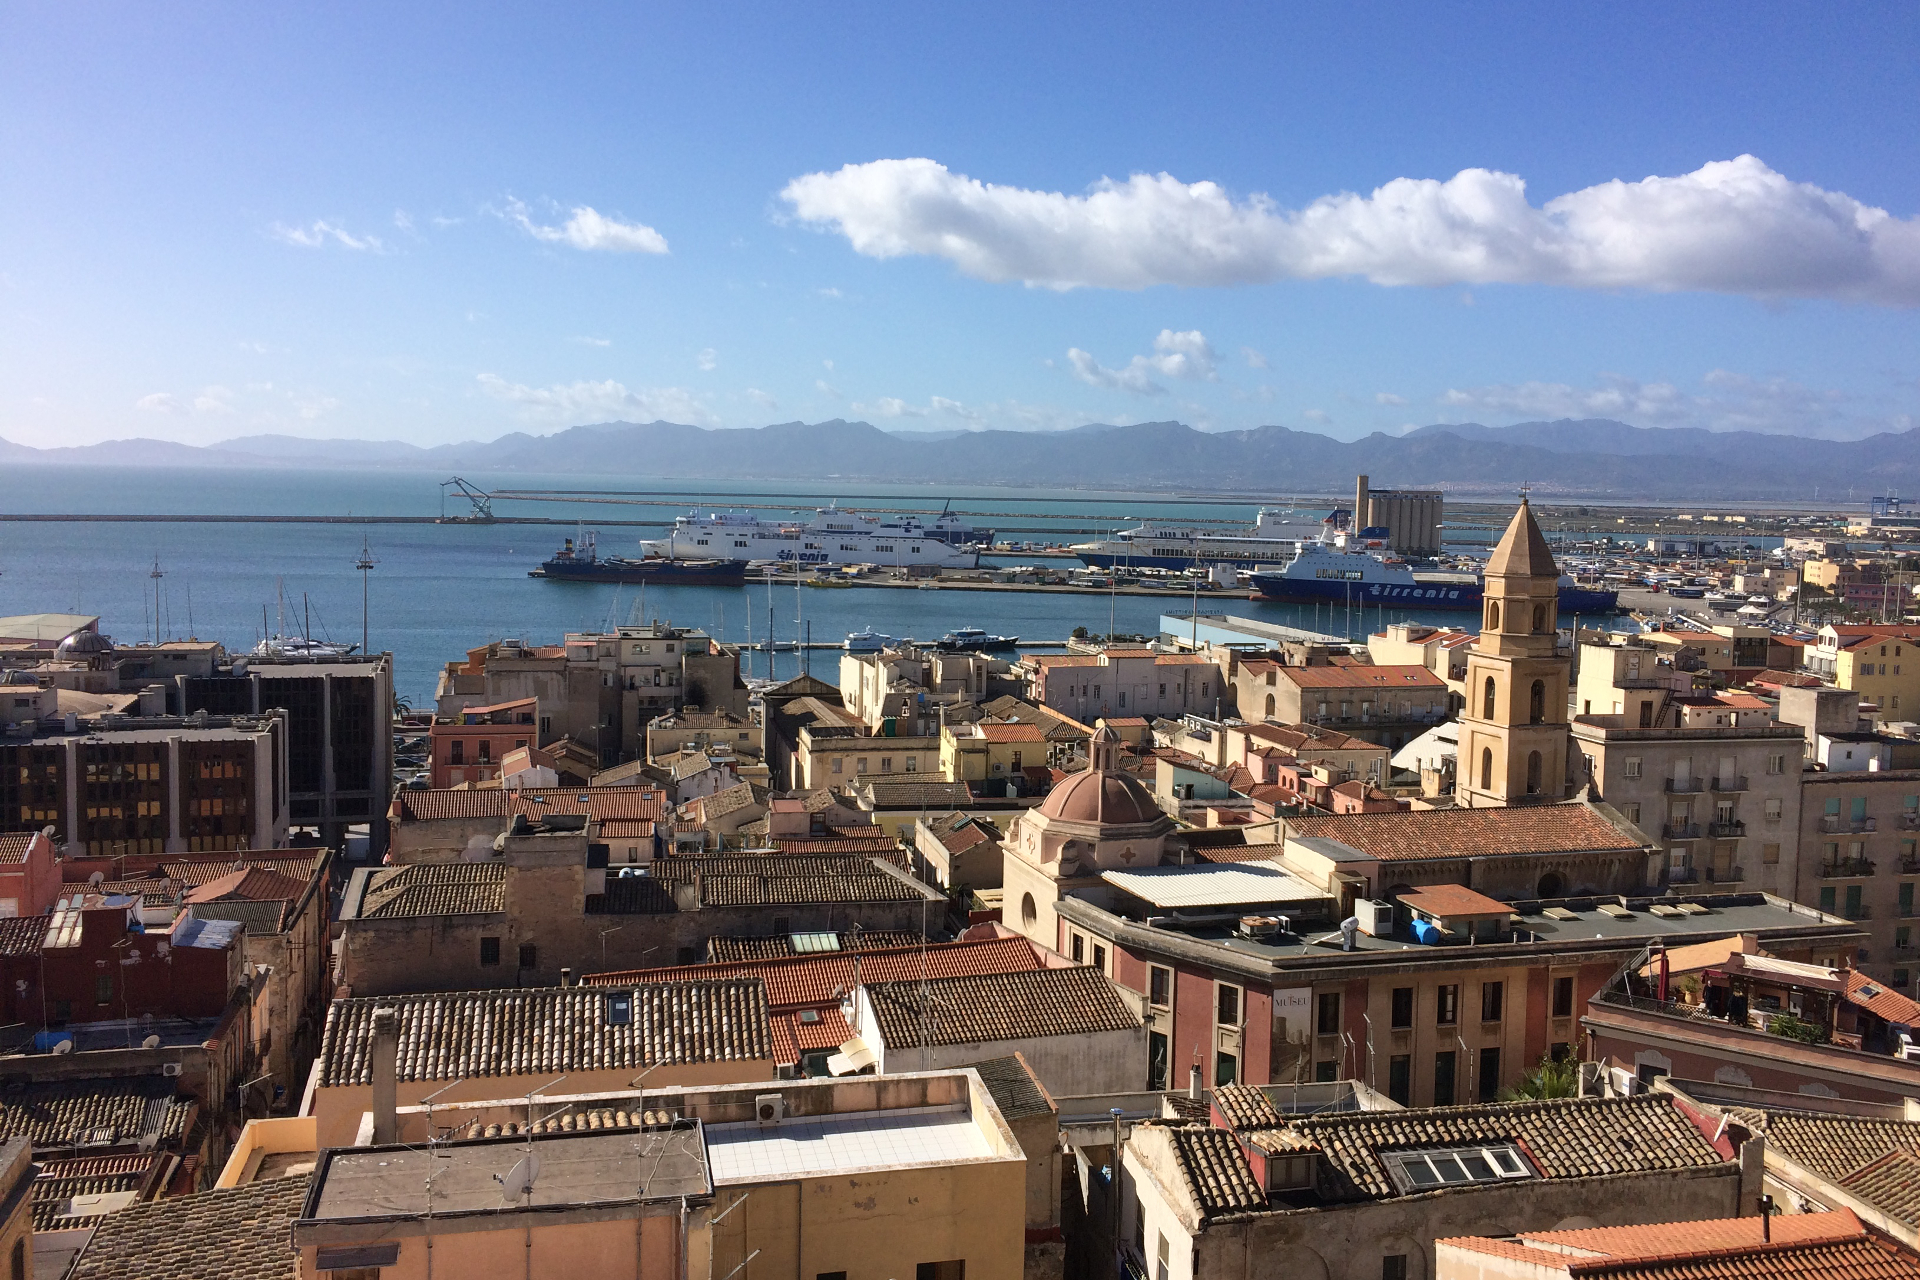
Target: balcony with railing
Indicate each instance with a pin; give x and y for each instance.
(1683, 875)
(1857, 911)
(1727, 829)
(1832, 823)
(1730, 784)
(1843, 868)
(1686, 786)
(1909, 820)
(1726, 875)
(1680, 831)
(1910, 864)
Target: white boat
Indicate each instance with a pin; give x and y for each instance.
(833, 536)
(1272, 540)
(867, 640)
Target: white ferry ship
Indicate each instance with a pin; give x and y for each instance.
(833, 536)
(1273, 540)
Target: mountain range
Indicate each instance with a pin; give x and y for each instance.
(1564, 459)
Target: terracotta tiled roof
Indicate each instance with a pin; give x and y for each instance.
(153, 891)
(1817, 1246)
(1015, 1089)
(550, 1030)
(1305, 740)
(193, 873)
(68, 1113)
(932, 794)
(1238, 852)
(1523, 550)
(1467, 833)
(1245, 1106)
(984, 1008)
(249, 884)
(1569, 1138)
(879, 842)
(1834, 1146)
(807, 1031)
(434, 889)
(1881, 1000)
(59, 1181)
(598, 803)
(23, 935)
(1366, 678)
(795, 982)
(1011, 732)
(14, 845)
(1890, 1184)
(1218, 1176)
(241, 1233)
(745, 880)
(780, 946)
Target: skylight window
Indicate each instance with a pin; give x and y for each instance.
(1415, 1171)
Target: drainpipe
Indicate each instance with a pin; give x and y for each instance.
(386, 1056)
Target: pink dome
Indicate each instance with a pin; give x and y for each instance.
(1113, 799)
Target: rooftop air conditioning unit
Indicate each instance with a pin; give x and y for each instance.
(1376, 918)
(770, 1108)
(1263, 926)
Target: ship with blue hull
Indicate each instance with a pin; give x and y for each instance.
(1323, 573)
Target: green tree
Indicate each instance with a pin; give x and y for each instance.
(1549, 1079)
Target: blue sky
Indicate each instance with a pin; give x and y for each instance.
(444, 222)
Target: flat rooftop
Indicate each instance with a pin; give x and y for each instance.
(748, 1151)
(1214, 885)
(1572, 920)
(1231, 629)
(575, 1169)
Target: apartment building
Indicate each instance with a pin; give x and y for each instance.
(1873, 662)
(473, 745)
(1125, 681)
(1858, 859)
(152, 785)
(903, 690)
(601, 690)
(1390, 705)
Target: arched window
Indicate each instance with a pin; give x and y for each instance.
(1533, 773)
(1486, 768)
(1539, 618)
(1486, 701)
(1537, 703)
(1269, 706)
(1550, 886)
(18, 1266)
(1028, 912)
(1493, 615)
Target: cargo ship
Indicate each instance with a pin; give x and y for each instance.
(581, 562)
(1272, 540)
(833, 536)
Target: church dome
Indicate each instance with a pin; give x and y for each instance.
(1096, 796)
(83, 644)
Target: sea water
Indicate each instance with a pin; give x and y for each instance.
(438, 590)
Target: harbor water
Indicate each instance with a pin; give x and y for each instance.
(438, 589)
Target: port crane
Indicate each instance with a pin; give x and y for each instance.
(481, 500)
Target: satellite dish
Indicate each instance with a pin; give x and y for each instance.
(151, 1042)
(518, 1180)
(65, 1046)
(97, 879)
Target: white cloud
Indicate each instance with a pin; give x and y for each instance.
(1255, 359)
(162, 402)
(213, 400)
(1387, 397)
(826, 388)
(1320, 416)
(403, 220)
(585, 341)
(1731, 226)
(830, 292)
(311, 405)
(761, 398)
(890, 407)
(589, 229)
(320, 233)
(1175, 355)
(577, 402)
(1724, 401)
(708, 360)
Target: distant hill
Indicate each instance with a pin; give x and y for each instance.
(1564, 459)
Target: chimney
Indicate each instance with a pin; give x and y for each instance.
(1193, 1081)
(566, 976)
(386, 1057)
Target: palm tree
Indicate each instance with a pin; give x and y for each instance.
(1550, 1079)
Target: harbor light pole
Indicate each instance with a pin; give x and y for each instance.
(156, 575)
(365, 566)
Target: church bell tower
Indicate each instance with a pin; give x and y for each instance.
(1513, 732)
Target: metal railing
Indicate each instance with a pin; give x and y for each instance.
(1842, 868)
(1685, 786)
(1731, 875)
(1832, 823)
(1727, 830)
(1861, 912)
(1730, 784)
(1680, 831)
(1683, 875)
